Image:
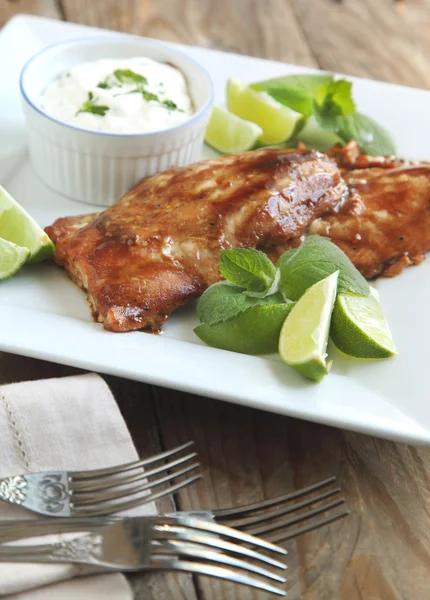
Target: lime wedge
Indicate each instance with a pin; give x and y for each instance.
(359, 327)
(255, 331)
(229, 133)
(12, 257)
(277, 121)
(304, 335)
(17, 226)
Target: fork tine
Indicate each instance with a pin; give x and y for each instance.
(190, 550)
(97, 498)
(228, 512)
(75, 475)
(284, 537)
(173, 564)
(265, 529)
(212, 527)
(100, 484)
(183, 534)
(269, 515)
(127, 504)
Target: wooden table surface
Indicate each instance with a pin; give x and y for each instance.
(382, 551)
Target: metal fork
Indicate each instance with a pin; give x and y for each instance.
(284, 517)
(101, 491)
(277, 520)
(164, 543)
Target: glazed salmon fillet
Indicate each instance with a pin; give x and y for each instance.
(384, 226)
(160, 244)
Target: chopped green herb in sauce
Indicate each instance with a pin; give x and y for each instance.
(90, 106)
(126, 76)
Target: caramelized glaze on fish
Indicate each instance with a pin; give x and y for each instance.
(159, 245)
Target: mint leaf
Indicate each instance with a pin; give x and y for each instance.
(372, 138)
(223, 301)
(254, 331)
(316, 259)
(295, 91)
(331, 101)
(248, 268)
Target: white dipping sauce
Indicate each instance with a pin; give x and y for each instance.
(143, 96)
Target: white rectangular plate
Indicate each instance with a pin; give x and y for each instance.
(44, 315)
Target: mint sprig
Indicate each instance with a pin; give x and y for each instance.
(295, 91)
(330, 103)
(252, 280)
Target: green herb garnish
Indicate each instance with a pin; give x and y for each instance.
(120, 77)
(224, 300)
(249, 269)
(171, 105)
(148, 96)
(252, 279)
(372, 137)
(314, 260)
(127, 75)
(331, 101)
(124, 76)
(328, 102)
(90, 106)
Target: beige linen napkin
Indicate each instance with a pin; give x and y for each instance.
(70, 423)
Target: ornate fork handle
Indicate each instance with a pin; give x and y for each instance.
(11, 531)
(46, 493)
(82, 550)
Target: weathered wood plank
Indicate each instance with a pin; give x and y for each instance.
(43, 8)
(369, 39)
(252, 27)
(250, 455)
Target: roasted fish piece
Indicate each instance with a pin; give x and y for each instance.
(159, 245)
(385, 224)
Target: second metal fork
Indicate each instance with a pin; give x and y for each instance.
(101, 491)
(276, 520)
(164, 543)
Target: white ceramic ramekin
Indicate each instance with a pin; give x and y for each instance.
(96, 167)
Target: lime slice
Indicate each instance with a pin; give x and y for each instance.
(304, 335)
(359, 327)
(229, 133)
(12, 257)
(277, 121)
(17, 226)
(255, 331)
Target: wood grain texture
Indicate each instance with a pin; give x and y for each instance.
(369, 38)
(253, 27)
(43, 8)
(382, 551)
